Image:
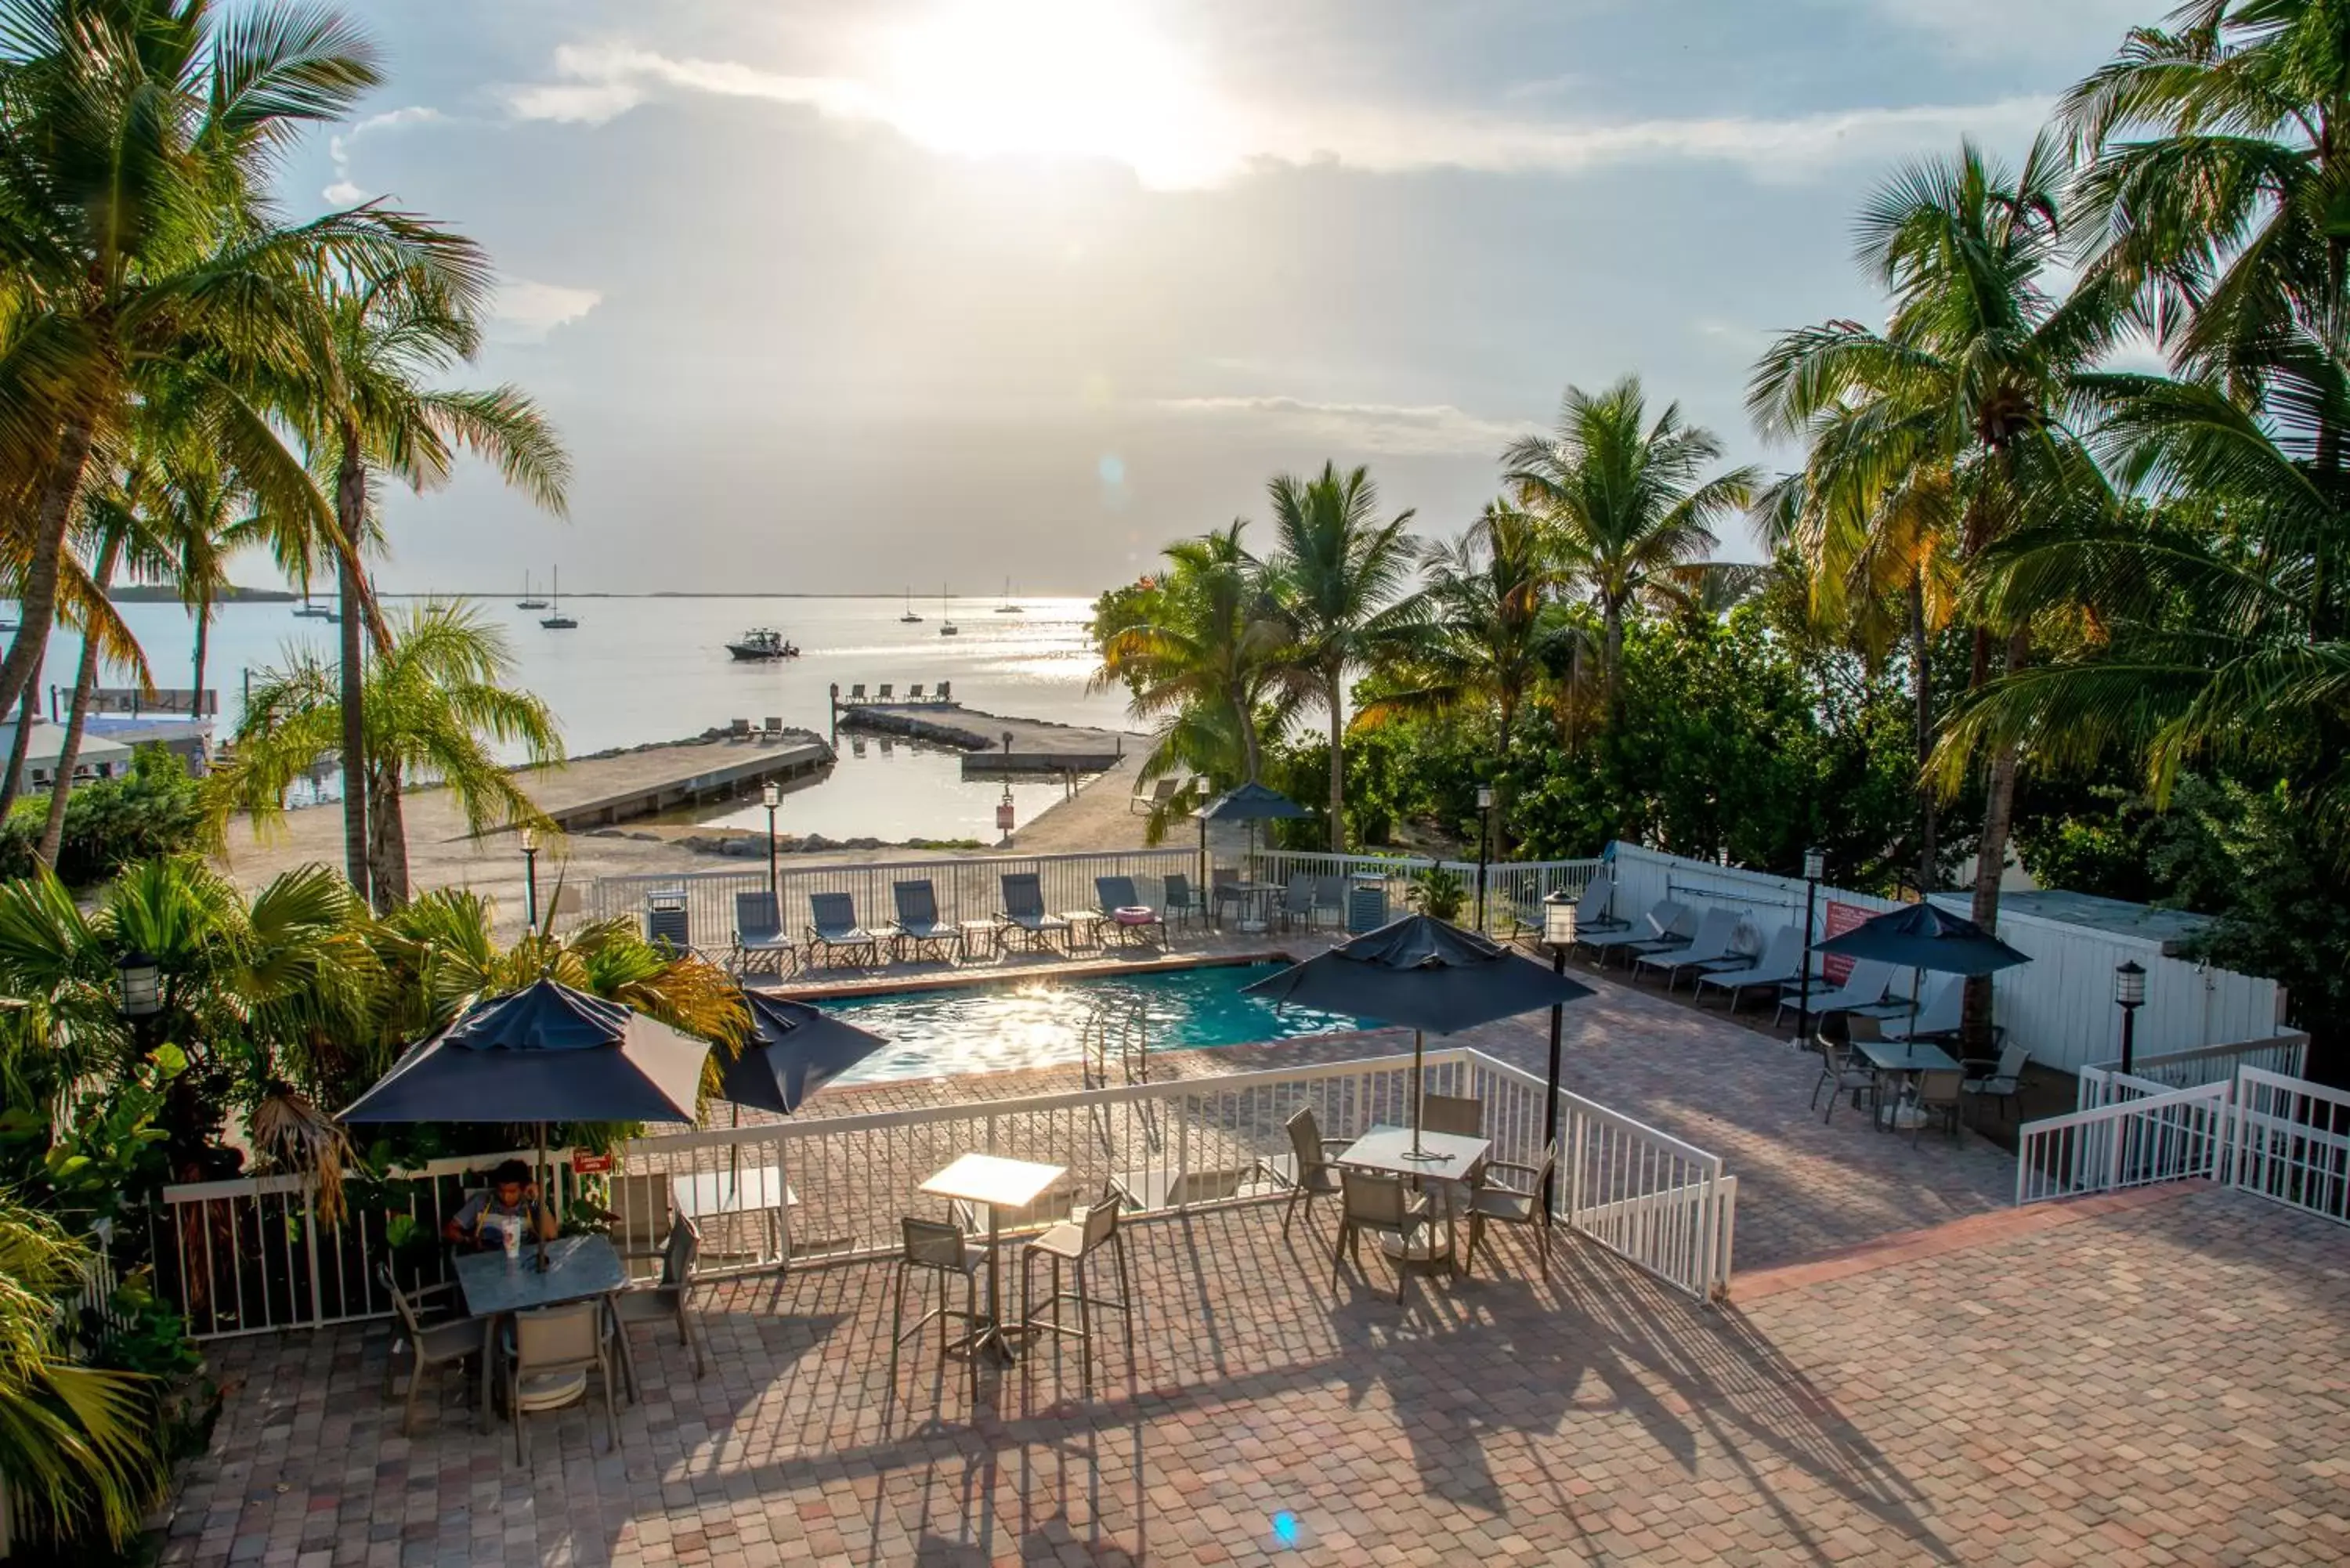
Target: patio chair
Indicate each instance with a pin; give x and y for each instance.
(1863, 987)
(1297, 903)
(759, 940)
(668, 1301)
(738, 729)
(668, 923)
(914, 692)
(1330, 898)
(1664, 918)
(1150, 795)
(1842, 1069)
(1711, 948)
(1995, 1080)
(1458, 1115)
(1782, 962)
(856, 692)
(1514, 1198)
(1310, 1172)
(1939, 1011)
(1024, 910)
(1112, 894)
(1071, 1244)
(1383, 1206)
(918, 925)
(940, 1248)
(945, 692)
(884, 695)
(833, 929)
(1590, 910)
(567, 1338)
(1224, 888)
(1180, 904)
(773, 729)
(1938, 1100)
(431, 1342)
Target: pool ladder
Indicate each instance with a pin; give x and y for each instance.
(1124, 1031)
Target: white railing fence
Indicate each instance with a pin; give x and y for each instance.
(2286, 1053)
(967, 888)
(2132, 1142)
(2292, 1142)
(1514, 889)
(240, 1257)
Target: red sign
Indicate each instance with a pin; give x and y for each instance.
(585, 1164)
(1841, 917)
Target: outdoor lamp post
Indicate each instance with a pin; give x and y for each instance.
(138, 986)
(1815, 866)
(1484, 845)
(770, 793)
(2130, 995)
(1558, 933)
(530, 877)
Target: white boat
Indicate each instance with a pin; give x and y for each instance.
(946, 620)
(909, 617)
(557, 621)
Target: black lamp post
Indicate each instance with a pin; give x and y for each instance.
(2130, 995)
(530, 877)
(138, 985)
(772, 795)
(1558, 934)
(1484, 845)
(1815, 866)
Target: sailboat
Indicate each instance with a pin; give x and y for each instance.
(527, 601)
(909, 617)
(946, 620)
(1007, 607)
(557, 621)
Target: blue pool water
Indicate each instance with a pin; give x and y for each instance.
(1040, 1021)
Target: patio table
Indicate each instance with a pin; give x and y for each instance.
(998, 1184)
(727, 1194)
(1448, 1157)
(979, 938)
(497, 1287)
(1900, 1060)
(1084, 928)
(1254, 899)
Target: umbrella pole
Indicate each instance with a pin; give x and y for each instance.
(539, 1232)
(1419, 1044)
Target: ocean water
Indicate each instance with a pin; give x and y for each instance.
(646, 669)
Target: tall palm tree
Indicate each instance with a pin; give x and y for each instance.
(436, 702)
(383, 411)
(1344, 580)
(1952, 416)
(1626, 501)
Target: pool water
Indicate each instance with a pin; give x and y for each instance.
(1040, 1021)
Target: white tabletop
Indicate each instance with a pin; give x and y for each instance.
(1905, 1056)
(992, 1180)
(747, 1190)
(1389, 1150)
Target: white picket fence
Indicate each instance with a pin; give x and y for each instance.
(1514, 889)
(2284, 1137)
(253, 1255)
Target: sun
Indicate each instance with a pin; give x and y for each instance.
(1052, 79)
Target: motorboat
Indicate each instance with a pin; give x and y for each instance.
(759, 643)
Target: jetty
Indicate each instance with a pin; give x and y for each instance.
(994, 746)
(597, 792)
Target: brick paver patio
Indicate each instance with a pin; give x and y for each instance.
(2160, 1383)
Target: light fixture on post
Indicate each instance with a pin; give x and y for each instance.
(138, 986)
(1485, 845)
(772, 795)
(2130, 995)
(1815, 866)
(1559, 914)
(530, 877)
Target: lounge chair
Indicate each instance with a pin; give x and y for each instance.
(1112, 894)
(1150, 795)
(773, 729)
(1591, 914)
(1863, 987)
(1181, 903)
(738, 729)
(1663, 918)
(914, 692)
(886, 689)
(1941, 1009)
(760, 944)
(833, 929)
(1023, 911)
(856, 692)
(918, 925)
(1782, 963)
(945, 692)
(1709, 949)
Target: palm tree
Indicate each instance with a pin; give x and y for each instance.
(436, 703)
(1626, 500)
(77, 1443)
(395, 337)
(1342, 579)
(1198, 652)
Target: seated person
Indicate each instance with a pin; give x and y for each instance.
(509, 1203)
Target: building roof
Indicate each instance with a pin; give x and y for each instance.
(2171, 929)
(49, 740)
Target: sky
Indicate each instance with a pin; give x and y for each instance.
(832, 297)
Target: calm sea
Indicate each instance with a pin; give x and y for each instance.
(641, 669)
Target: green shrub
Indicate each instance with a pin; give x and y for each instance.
(153, 810)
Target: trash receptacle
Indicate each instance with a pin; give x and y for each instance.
(1367, 904)
(665, 921)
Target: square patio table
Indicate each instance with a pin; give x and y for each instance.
(1254, 899)
(496, 1286)
(1448, 1157)
(1901, 1059)
(980, 939)
(726, 1194)
(998, 1184)
(1084, 928)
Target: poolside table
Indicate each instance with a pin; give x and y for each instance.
(1254, 899)
(1447, 1156)
(497, 1287)
(1900, 1060)
(999, 1184)
(1084, 927)
(980, 939)
(730, 1194)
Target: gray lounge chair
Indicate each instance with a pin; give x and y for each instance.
(1591, 915)
(856, 692)
(1663, 919)
(1150, 795)
(1023, 911)
(1863, 988)
(919, 926)
(885, 690)
(1781, 962)
(914, 692)
(833, 929)
(760, 944)
(1711, 948)
(1941, 1009)
(945, 692)
(1112, 894)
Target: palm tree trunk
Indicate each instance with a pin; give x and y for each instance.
(1928, 805)
(350, 518)
(38, 599)
(13, 784)
(388, 840)
(53, 829)
(1990, 865)
(1612, 675)
(203, 628)
(1334, 691)
(1251, 753)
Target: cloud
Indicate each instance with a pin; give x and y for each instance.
(345, 191)
(2022, 28)
(528, 311)
(1390, 429)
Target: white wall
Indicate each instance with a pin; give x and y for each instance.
(2059, 1006)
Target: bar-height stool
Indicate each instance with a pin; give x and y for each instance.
(936, 1247)
(1072, 1244)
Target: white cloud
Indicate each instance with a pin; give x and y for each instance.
(528, 311)
(1391, 429)
(346, 192)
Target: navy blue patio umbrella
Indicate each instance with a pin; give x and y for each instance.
(793, 1050)
(1922, 937)
(1251, 803)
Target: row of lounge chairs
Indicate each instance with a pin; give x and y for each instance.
(834, 933)
(887, 692)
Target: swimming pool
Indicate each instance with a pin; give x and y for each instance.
(1039, 1021)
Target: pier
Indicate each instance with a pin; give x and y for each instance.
(598, 792)
(993, 746)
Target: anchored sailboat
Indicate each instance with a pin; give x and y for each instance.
(909, 617)
(527, 601)
(557, 621)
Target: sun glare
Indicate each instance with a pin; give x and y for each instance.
(1088, 79)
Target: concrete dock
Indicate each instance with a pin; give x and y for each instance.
(600, 791)
(1033, 745)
